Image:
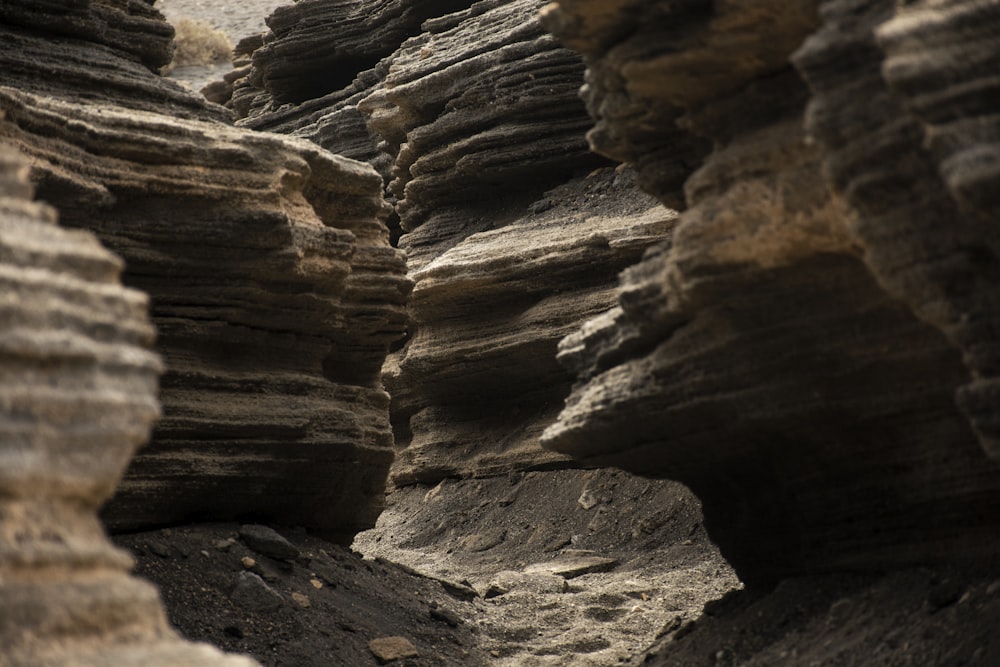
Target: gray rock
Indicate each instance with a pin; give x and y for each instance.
(569, 567)
(534, 582)
(485, 540)
(251, 592)
(267, 542)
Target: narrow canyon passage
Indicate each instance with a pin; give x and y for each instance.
(500, 332)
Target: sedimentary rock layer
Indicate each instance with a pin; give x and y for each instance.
(756, 357)
(481, 115)
(274, 289)
(514, 231)
(918, 165)
(307, 75)
(77, 397)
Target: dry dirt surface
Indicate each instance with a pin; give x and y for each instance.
(237, 18)
(568, 568)
(474, 572)
(923, 617)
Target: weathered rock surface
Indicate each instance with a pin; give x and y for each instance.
(757, 356)
(306, 76)
(274, 289)
(77, 397)
(918, 166)
(512, 238)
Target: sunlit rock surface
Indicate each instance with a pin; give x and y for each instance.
(762, 356)
(77, 397)
(274, 290)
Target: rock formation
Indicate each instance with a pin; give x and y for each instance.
(77, 397)
(917, 166)
(274, 289)
(757, 356)
(514, 232)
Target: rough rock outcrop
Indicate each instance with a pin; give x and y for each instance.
(509, 244)
(77, 397)
(514, 232)
(757, 356)
(307, 75)
(274, 289)
(918, 165)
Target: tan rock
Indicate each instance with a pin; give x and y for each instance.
(77, 398)
(390, 649)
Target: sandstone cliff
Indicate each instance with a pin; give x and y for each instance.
(77, 397)
(274, 290)
(793, 353)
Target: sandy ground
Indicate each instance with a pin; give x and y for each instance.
(237, 18)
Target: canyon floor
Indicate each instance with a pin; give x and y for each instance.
(488, 572)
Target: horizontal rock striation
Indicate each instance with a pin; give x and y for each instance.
(77, 397)
(514, 232)
(274, 289)
(757, 357)
(306, 76)
(918, 166)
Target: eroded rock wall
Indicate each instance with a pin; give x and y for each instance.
(514, 232)
(758, 357)
(275, 292)
(77, 397)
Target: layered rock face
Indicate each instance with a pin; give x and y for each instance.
(274, 289)
(918, 166)
(759, 356)
(514, 232)
(77, 397)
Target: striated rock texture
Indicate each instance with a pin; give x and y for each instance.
(274, 289)
(514, 232)
(757, 355)
(77, 397)
(320, 59)
(918, 166)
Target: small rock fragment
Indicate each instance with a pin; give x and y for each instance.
(390, 649)
(316, 583)
(434, 493)
(587, 499)
(266, 541)
(569, 567)
(224, 545)
(248, 562)
(445, 616)
(301, 599)
(538, 583)
(495, 590)
(159, 548)
(485, 540)
(251, 592)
